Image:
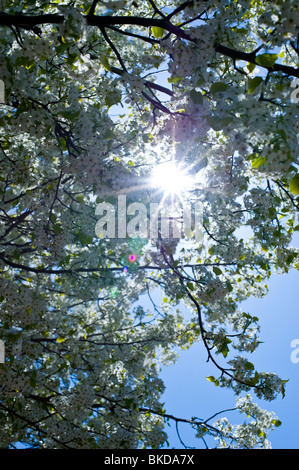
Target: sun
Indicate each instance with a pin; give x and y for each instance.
(171, 179)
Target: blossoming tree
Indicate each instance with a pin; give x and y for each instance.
(97, 95)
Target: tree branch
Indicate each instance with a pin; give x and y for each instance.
(147, 83)
(108, 40)
(92, 20)
(251, 57)
(24, 21)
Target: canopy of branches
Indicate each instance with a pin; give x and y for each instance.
(96, 96)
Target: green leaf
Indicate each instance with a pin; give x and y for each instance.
(249, 366)
(211, 378)
(24, 61)
(16, 254)
(229, 286)
(190, 286)
(64, 261)
(22, 107)
(79, 198)
(196, 97)
(32, 379)
(215, 123)
(60, 340)
(224, 348)
(158, 32)
(217, 271)
(283, 387)
(294, 185)
(174, 79)
(254, 83)
(61, 48)
(283, 134)
(57, 228)
(147, 138)
(218, 87)
(129, 402)
(105, 63)
(13, 337)
(276, 422)
(266, 60)
(272, 213)
(240, 30)
(257, 162)
(109, 134)
(85, 239)
(112, 99)
(88, 240)
(256, 378)
(250, 67)
(62, 143)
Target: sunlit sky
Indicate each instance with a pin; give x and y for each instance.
(188, 393)
(171, 178)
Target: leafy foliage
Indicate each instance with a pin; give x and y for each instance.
(85, 119)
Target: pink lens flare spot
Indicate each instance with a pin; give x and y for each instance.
(132, 258)
(125, 269)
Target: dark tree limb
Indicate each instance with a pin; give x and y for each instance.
(24, 21)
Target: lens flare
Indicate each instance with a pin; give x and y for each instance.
(132, 258)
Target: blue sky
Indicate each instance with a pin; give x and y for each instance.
(188, 393)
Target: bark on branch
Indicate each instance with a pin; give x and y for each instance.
(30, 21)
